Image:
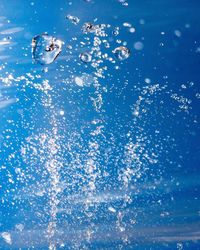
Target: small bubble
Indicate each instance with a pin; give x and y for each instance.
(142, 21)
(127, 25)
(112, 209)
(123, 2)
(78, 81)
(73, 19)
(69, 47)
(124, 43)
(132, 30)
(177, 33)
(138, 45)
(187, 25)
(45, 70)
(136, 113)
(86, 57)
(179, 246)
(147, 80)
(121, 53)
(116, 31)
(107, 45)
(183, 86)
(197, 95)
(87, 28)
(118, 41)
(19, 227)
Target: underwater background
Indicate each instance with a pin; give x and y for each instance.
(99, 124)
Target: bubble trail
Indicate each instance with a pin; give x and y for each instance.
(52, 164)
(53, 169)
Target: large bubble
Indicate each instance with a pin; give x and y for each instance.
(46, 48)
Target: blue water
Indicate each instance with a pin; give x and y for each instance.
(102, 154)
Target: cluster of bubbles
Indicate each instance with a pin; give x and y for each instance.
(46, 48)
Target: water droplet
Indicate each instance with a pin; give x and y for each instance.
(121, 53)
(46, 48)
(86, 57)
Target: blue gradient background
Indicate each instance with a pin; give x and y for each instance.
(165, 200)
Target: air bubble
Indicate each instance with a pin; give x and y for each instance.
(116, 31)
(45, 48)
(121, 53)
(177, 33)
(147, 80)
(123, 2)
(84, 80)
(88, 27)
(138, 46)
(86, 57)
(127, 25)
(132, 30)
(73, 19)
